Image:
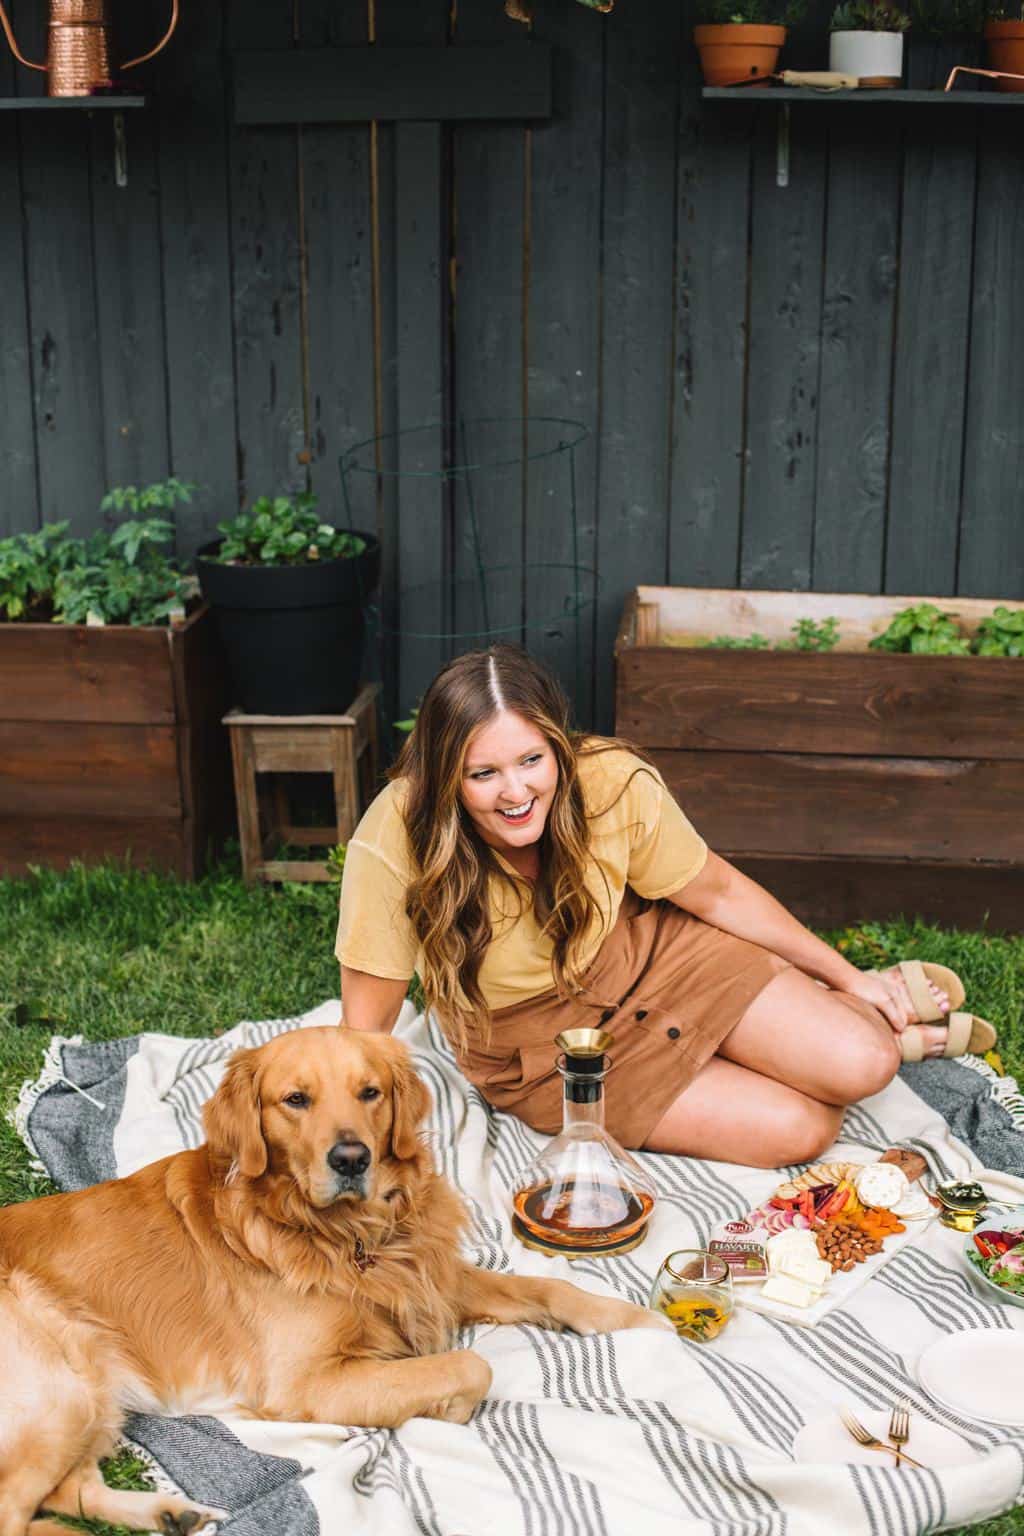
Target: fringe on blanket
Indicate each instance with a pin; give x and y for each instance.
(50, 1074)
(1005, 1090)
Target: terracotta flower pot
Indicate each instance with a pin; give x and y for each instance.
(1005, 42)
(737, 51)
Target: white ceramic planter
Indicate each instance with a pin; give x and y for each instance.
(868, 55)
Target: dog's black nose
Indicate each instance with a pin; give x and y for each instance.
(351, 1157)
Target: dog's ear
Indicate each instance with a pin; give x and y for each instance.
(410, 1102)
(234, 1129)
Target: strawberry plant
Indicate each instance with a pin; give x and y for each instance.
(284, 530)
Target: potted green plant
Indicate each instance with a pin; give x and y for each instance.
(112, 690)
(866, 40)
(1004, 41)
(741, 39)
(289, 591)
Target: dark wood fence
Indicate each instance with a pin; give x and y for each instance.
(811, 386)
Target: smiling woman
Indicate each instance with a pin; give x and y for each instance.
(540, 880)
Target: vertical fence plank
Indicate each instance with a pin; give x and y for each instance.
(641, 101)
(339, 307)
(62, 302)
(710, 343)
(424, 558)
(487, 364)
(19, 511)
(856, 357)
(197, 272)
(782, 379)
(265, 259)
(930, 348)
(414, 362)
(126, 247)
(991, 547)
(563, 334)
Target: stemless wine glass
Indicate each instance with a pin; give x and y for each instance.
(694, 1290)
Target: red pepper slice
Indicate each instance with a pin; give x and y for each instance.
(984, 1247)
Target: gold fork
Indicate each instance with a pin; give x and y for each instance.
(899, 1425)
(865, 1437)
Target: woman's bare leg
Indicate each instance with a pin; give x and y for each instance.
(774, 1093)
(739, 1116)
(829, 1045)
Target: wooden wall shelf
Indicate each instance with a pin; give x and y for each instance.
(759, 94)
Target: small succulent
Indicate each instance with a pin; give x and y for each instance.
(868, 16)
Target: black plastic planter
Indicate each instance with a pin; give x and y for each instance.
(293, 634)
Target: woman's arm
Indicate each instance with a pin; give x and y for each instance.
(724, 897)
(371, 1003)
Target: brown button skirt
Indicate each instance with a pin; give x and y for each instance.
(666, 985)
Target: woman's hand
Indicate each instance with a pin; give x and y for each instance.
(887, 993)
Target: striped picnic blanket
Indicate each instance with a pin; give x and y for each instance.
(579, 1436)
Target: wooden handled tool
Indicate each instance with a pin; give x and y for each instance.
(814, 79)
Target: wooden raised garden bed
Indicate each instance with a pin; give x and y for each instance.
(853, 784)
(111, 745)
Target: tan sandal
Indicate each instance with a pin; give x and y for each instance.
(965, 1035)
(916, 976)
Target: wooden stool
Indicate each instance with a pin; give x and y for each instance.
(344, 746)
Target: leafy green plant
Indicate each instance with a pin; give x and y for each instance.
(29, 566)
(284, 530)
(810, 635)
(923, 630)
(120, 576)
(1002, 634)
(335, 861)
(405, 726)
(738, 643)
(779, 13)
(868, 16)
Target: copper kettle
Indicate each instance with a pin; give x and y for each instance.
(78, 48)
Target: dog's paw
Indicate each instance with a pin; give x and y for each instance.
(458, 1405)
(182, 1519)
(608, 1315)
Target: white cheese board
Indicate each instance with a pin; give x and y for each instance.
(821, 1236)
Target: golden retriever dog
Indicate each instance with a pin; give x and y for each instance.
(303, 1264)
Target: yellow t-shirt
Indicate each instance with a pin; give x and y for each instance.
(639, 837)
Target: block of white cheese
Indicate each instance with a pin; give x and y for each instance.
(786, 1246)
(793, 1292)
(816, 1272)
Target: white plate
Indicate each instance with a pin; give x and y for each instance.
(978, 1373)
(825, 1439)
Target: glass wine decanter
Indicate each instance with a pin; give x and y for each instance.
(583, 1195)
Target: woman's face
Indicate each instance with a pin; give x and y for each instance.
(508, 781)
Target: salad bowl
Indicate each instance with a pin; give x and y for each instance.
(995, 1252)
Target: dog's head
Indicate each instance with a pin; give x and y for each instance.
(327, 1106)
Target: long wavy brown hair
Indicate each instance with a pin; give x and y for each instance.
(447, 900)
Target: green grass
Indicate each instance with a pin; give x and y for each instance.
(109, 952)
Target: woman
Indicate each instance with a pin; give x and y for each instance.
(538, 880)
